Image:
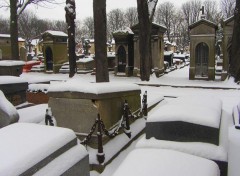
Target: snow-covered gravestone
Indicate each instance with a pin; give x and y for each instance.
(75, 103)
(31, 149)
(187, 119)
(146, 162)
(8, 113)
(11, 67)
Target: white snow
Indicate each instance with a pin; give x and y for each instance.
(234, 154)
(56, 33)
(193, 109)
(11, 63)
(85, 60)
(64, 162)
(38, 88)
(8, 113)
(95, 88)
(38, 115)
(145, 162)
(125, 30)
(11, 80)
(23, 145)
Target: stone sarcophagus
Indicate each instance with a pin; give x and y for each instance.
(75, 105)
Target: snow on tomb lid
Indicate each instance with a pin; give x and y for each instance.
(165, 162)
(11, 63)
(200, 110)
(11, 80)
(32, 143)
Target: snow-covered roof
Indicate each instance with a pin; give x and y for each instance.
(203, 21)
(123, 31)
(20, 39)
(56, 33)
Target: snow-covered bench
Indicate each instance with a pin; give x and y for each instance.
(186, 119)
(145, 162)
(31, 149)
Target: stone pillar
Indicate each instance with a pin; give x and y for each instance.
(136, 69)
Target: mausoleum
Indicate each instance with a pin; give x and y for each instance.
(54, 50)
(202, 50)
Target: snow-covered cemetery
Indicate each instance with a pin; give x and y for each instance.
(154, 93)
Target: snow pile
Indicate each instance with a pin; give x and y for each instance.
(193, 109)
(94, 88)
(205, 150)
(11, 80)
(64, 162)
(85, 60)
(11, 63)
(37, 117)
(38, 87)
(8, 113)
(145, 162)
(236, 114)
(29, 144)
(233, 152)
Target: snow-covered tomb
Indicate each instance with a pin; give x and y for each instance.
(187, 119)
(145, 162)
(31, 149)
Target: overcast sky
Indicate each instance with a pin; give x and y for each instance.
(84, 8)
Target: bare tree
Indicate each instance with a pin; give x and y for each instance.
(4, 23)
(211, 9)
(131, 16)
(16, 9)
(165, 14)
(234, 69)
(116, 19)
(227, 7)
(100, 18)
(89, 26)
(70, 19)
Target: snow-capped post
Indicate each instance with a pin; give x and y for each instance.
(144, 105)
(70, 19)
(48, 117)
(127, 130)
(100, 154)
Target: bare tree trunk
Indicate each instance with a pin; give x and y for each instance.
(144, 39)
(14, 30)
(70, 19)
(99, 13)
(234, 69)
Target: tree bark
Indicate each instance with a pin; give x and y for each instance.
(144, 39)
(234, 69)
(99, 12)
(70, 19)
(14, 30)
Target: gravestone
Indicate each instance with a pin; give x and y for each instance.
(23, 54)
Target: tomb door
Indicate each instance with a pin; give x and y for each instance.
(49, 59)
(121, 59)
(202, 57)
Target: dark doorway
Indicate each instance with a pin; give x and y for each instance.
(49, 59)
(202, 57)
(121, 59)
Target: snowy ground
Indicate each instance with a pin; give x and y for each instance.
(174, 84)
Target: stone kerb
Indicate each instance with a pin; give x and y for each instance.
(78, 110)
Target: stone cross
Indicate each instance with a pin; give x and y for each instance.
(202, 9)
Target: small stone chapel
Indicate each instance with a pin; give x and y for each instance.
(202, 49)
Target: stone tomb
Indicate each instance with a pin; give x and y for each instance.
(11, 67)
(14, 89)
(187, 119)
(75, 104)
(202, 50)
(30, 149)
